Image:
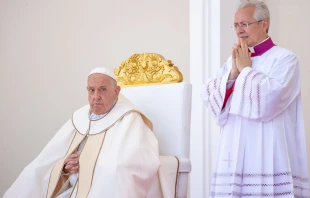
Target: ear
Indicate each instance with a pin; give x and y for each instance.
(266, 23)
(117, 90)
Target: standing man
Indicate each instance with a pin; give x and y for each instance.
(256, 99)
(107, 149)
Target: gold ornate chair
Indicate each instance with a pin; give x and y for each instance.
(167, 103)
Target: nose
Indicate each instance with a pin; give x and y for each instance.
(239, 30)
(96, 95)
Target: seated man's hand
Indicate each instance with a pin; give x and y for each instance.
(71, 164)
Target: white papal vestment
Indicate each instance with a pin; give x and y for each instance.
(118, 160)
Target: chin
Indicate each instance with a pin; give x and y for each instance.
(97, 111)
(250, 44)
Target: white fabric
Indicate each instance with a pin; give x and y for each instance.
(96, 117)
(103, 70)
(125, 168)
(162, 187)
(168, 174)
(73, 177)
(169, 108)
(165, 185)
(262, 150)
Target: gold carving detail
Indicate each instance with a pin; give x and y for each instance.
(147, 68)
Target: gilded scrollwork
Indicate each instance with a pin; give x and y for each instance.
(147, 68)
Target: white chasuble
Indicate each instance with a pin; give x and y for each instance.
(118, 160)
(262, 150)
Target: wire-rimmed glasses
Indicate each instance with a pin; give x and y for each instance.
(243, 25)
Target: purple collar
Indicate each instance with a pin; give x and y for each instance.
(262, 47)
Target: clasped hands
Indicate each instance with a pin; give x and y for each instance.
(71, 164)
(240, 58)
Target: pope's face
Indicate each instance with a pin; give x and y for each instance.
(256, 32)
(102, 93)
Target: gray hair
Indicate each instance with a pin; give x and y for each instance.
(261, 9)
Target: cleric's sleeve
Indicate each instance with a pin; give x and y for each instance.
(214, 92)
(262, 96)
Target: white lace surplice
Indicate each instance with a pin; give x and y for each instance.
(262, 149)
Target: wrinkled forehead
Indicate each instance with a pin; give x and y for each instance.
(244, 14)
(96, 80)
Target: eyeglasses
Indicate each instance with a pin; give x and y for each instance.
(243, 25)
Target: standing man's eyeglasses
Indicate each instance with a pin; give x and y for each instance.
(243, 25)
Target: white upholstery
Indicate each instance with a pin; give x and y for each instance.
(168, 106)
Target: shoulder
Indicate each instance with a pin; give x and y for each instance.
(132, 114)
(282, 58)
(281, 53)
(138, 117)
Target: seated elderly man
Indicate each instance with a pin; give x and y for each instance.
(107, 149)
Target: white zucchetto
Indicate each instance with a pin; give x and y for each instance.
(103, 70)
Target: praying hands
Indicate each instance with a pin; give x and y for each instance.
(240, 58)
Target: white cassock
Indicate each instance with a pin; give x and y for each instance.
(262, 150)
(118, 160)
